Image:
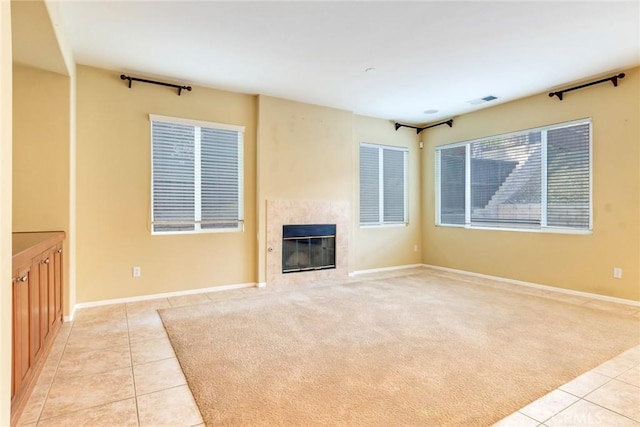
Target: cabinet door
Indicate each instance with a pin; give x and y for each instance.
(57, 256)
(51, 285)
(43, 282)
(15, 330)
(35, 341)
(22, 361)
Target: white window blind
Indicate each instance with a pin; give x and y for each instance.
(197, 174)
(452, 185)
(535, 179)
(383, 185)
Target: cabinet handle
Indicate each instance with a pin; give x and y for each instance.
(22, 279)
(46, 261)
(59, 251)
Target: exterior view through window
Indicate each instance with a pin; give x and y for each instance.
(535, 179)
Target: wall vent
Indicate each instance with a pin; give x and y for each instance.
(482, 100)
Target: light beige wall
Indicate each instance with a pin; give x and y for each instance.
(70, 242)
(305, 152)
(378, 247)
(113, 192)
(40, 150)
(309, 152)
(6, 142)
(577, 262)
(39, 42)
(35, 40)
(64, 46)
(41, 132)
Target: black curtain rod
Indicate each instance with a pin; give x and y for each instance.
(418, 130)
(132, 79)
(612, 79)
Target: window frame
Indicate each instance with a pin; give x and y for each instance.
(543, 204)
(382, 222)
(199, 124)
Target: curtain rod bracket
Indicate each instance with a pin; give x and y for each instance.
(612, 79)
(418, 129)
(131, 79)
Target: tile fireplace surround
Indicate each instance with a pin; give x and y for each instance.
(287, 212)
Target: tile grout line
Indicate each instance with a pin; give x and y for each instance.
(155, 361)
(82, 409)
(617, 375)
(522, 413)
(133, 376)
(168, 388)
(583, 398)
(598, 387)
(562, 410)
(55, 372)
(610, 410)
(610, 378)
(73, 324)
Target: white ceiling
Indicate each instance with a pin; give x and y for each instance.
(427, 55)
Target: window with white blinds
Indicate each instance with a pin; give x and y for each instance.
(383, 185)
(196, 178)
(534, 179)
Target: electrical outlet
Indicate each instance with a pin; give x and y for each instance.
(617, 273)
(415, 248)
(136, 272)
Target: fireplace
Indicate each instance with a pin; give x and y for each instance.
(308, 247)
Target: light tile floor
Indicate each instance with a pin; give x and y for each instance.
(608, 395)
(114, 366)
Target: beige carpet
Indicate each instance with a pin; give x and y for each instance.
(425, 349)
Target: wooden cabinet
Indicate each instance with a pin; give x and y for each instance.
(57, 278)
(37, 282)
(21, 327)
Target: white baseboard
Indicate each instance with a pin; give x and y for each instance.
(378, 270)
(352, 274)
(156, 296)
(539, 286)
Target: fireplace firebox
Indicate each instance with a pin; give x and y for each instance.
(308, 247)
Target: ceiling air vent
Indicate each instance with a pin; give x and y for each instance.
(482, 100)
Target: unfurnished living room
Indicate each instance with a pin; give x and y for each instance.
(323, 213)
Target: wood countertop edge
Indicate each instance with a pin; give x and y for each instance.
(23, 257)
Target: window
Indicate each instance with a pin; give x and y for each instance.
(534, 179)
(196, 176)
(383, 185)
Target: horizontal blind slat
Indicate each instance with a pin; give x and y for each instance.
(451, 166)
(174, 174)
(568, 178)
(393, 185)
(369, 185)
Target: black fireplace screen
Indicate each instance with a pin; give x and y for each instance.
(308, 247)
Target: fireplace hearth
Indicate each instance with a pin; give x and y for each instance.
(308, 247)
